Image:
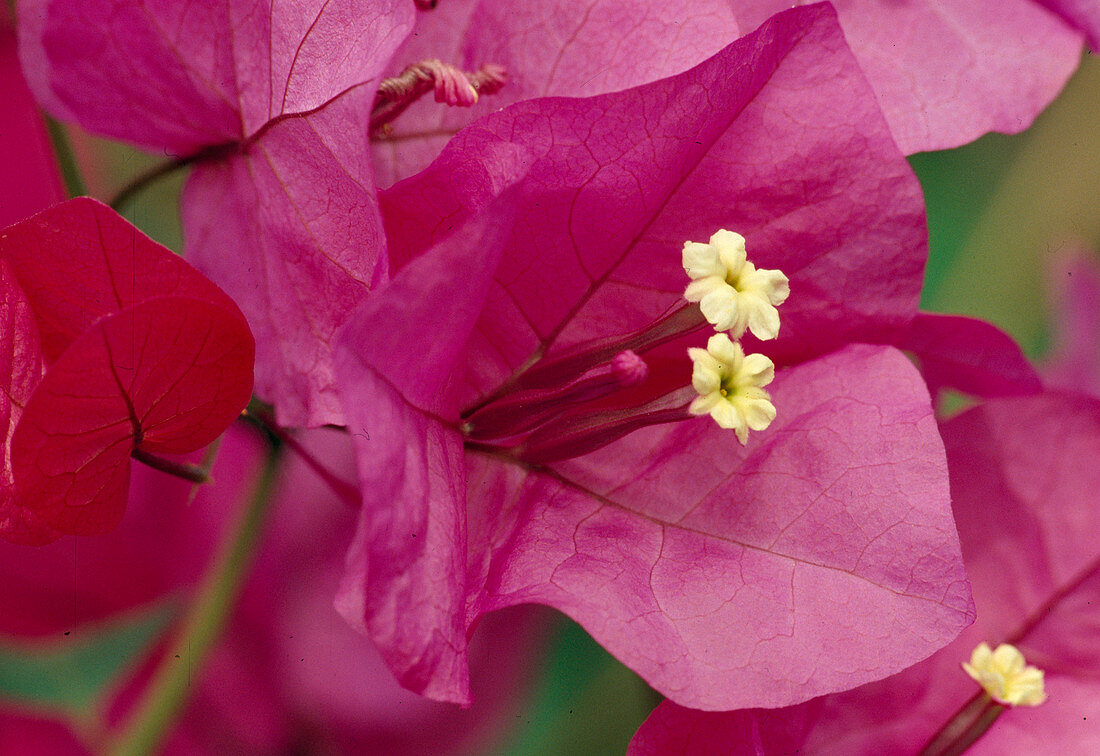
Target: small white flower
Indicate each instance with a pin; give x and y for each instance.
(1005, 677)
(733, 295)
(729, 386)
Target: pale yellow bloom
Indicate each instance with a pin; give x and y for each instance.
(732, 293)
(729, 385)
(1005, 676)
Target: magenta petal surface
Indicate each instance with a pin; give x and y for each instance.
(776, 137)
(1074, 363)
(282, 211)
(945, 73)
(167, 376)
(405, 583)
(1025, 499)
(79, 261)
(291, 229)
(552, 47)
(969, 355)
(1081, 14)
(830, 532)
(115, 343)
(160, 75)
(636, 540)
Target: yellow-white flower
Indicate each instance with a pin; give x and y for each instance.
(732, 293)
(729, 385)
(1005, 676)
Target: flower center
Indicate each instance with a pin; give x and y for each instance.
(732, 293)
(579, 399)
(1005, 676)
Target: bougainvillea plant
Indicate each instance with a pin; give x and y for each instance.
(272, 106)
(630, 331)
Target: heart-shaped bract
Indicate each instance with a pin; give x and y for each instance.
(114, 344)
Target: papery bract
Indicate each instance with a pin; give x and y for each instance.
(721, 575)
(1074, 363)
(969, 355)
(275, 100)
(1024, 491)
(129, 348)
(30, 181)
(1082, 14)
(946, 73)
(551, 47)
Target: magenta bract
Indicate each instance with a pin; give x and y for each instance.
(943, 74)
(570, 48)
(968, 355)
(723, 575)
(280, 209)
(1027, 510)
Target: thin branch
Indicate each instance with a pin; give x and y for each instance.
(167, 693)
(347, 492)
(144, 179)
(185, 470)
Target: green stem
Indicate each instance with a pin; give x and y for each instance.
(185, 470)
(157, 172)
(66, 159)
(170, 687)
(969, 723)
(347, 492)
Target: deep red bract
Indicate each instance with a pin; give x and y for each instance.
(114, 344)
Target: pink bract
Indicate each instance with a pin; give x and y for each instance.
(1082, 14)
(1074, 363)
(30, 181)
(969, 355)
(722, 575)
(571, 48)
(1025, 497)
(281, 209)
(114, 345)
(943, 75)
(947, 73)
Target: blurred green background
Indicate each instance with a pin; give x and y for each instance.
(997, 210)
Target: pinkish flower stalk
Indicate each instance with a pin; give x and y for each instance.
(451, 86)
